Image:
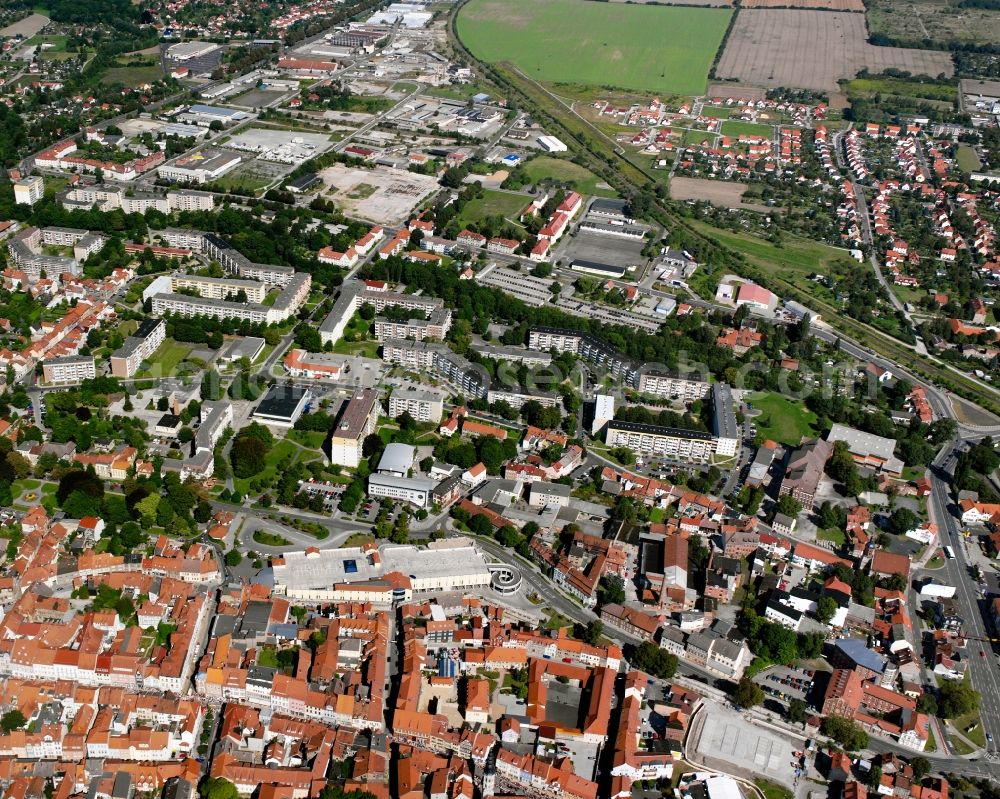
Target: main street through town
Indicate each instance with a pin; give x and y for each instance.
(985, 673)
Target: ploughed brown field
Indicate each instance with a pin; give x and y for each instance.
(813, 50)
(723, 193)
(828, 5)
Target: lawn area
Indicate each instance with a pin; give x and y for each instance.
(565, 171)
(913, 472)
(696, 137)
(278, 452)
(132, 76)
(794, 260)
(967, 159)
(243, 179)
(357, 540)
(267, 657)
(312, 439)
(493, 203)
(667, 50)
(831, 534)
(270, 539)
(772, 790)
(57, 39)
(909, 294)
(962, 723)
(27, 484)
(366, 349)
(735, 128)
(165, 359)
(781, 419)
(902, 87)
(717, 112)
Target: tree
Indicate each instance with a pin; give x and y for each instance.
(248, 456)
(956, 699)
(211, 386)
(748, 694)
(611, 590)
(902, 521)
(145, 509)
(218, 788)
(593, 632)
(874, 776)
(921, 767)
(202, 512)
(926, 703)
(825, 608)
(788, 505)
(372, 446)
(849, 734)
(233, 558)
(655, 660)
(798, 711)
(12, 720)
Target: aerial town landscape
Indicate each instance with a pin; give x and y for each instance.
(454, 399)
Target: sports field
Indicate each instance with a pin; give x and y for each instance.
(650, 48)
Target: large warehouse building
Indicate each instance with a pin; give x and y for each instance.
(330, 575)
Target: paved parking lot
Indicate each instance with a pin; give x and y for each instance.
(784, 684)
(606, 250)
(728, 741)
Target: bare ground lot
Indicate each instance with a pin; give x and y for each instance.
(26, 27)
(723, 193)
(916, 20)
(813, 50)
(827, 5)
(381, 195)
(736, 91)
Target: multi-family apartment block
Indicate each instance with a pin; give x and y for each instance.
(125, 361)
(69, 369)
(423, 404)
(357, 420)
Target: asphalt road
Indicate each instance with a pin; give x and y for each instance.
(984, 670)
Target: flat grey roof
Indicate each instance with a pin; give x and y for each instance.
(245, 347)
(656, 430)
(724, 414)
(322, 568)
(397, 458)
(861, 443)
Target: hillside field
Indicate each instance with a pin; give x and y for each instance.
(641, 47)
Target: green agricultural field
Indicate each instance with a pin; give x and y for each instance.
(643, 47)
(735, 128)
(132, 76)
(493, 203)
(781, 419)
(564, 170)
